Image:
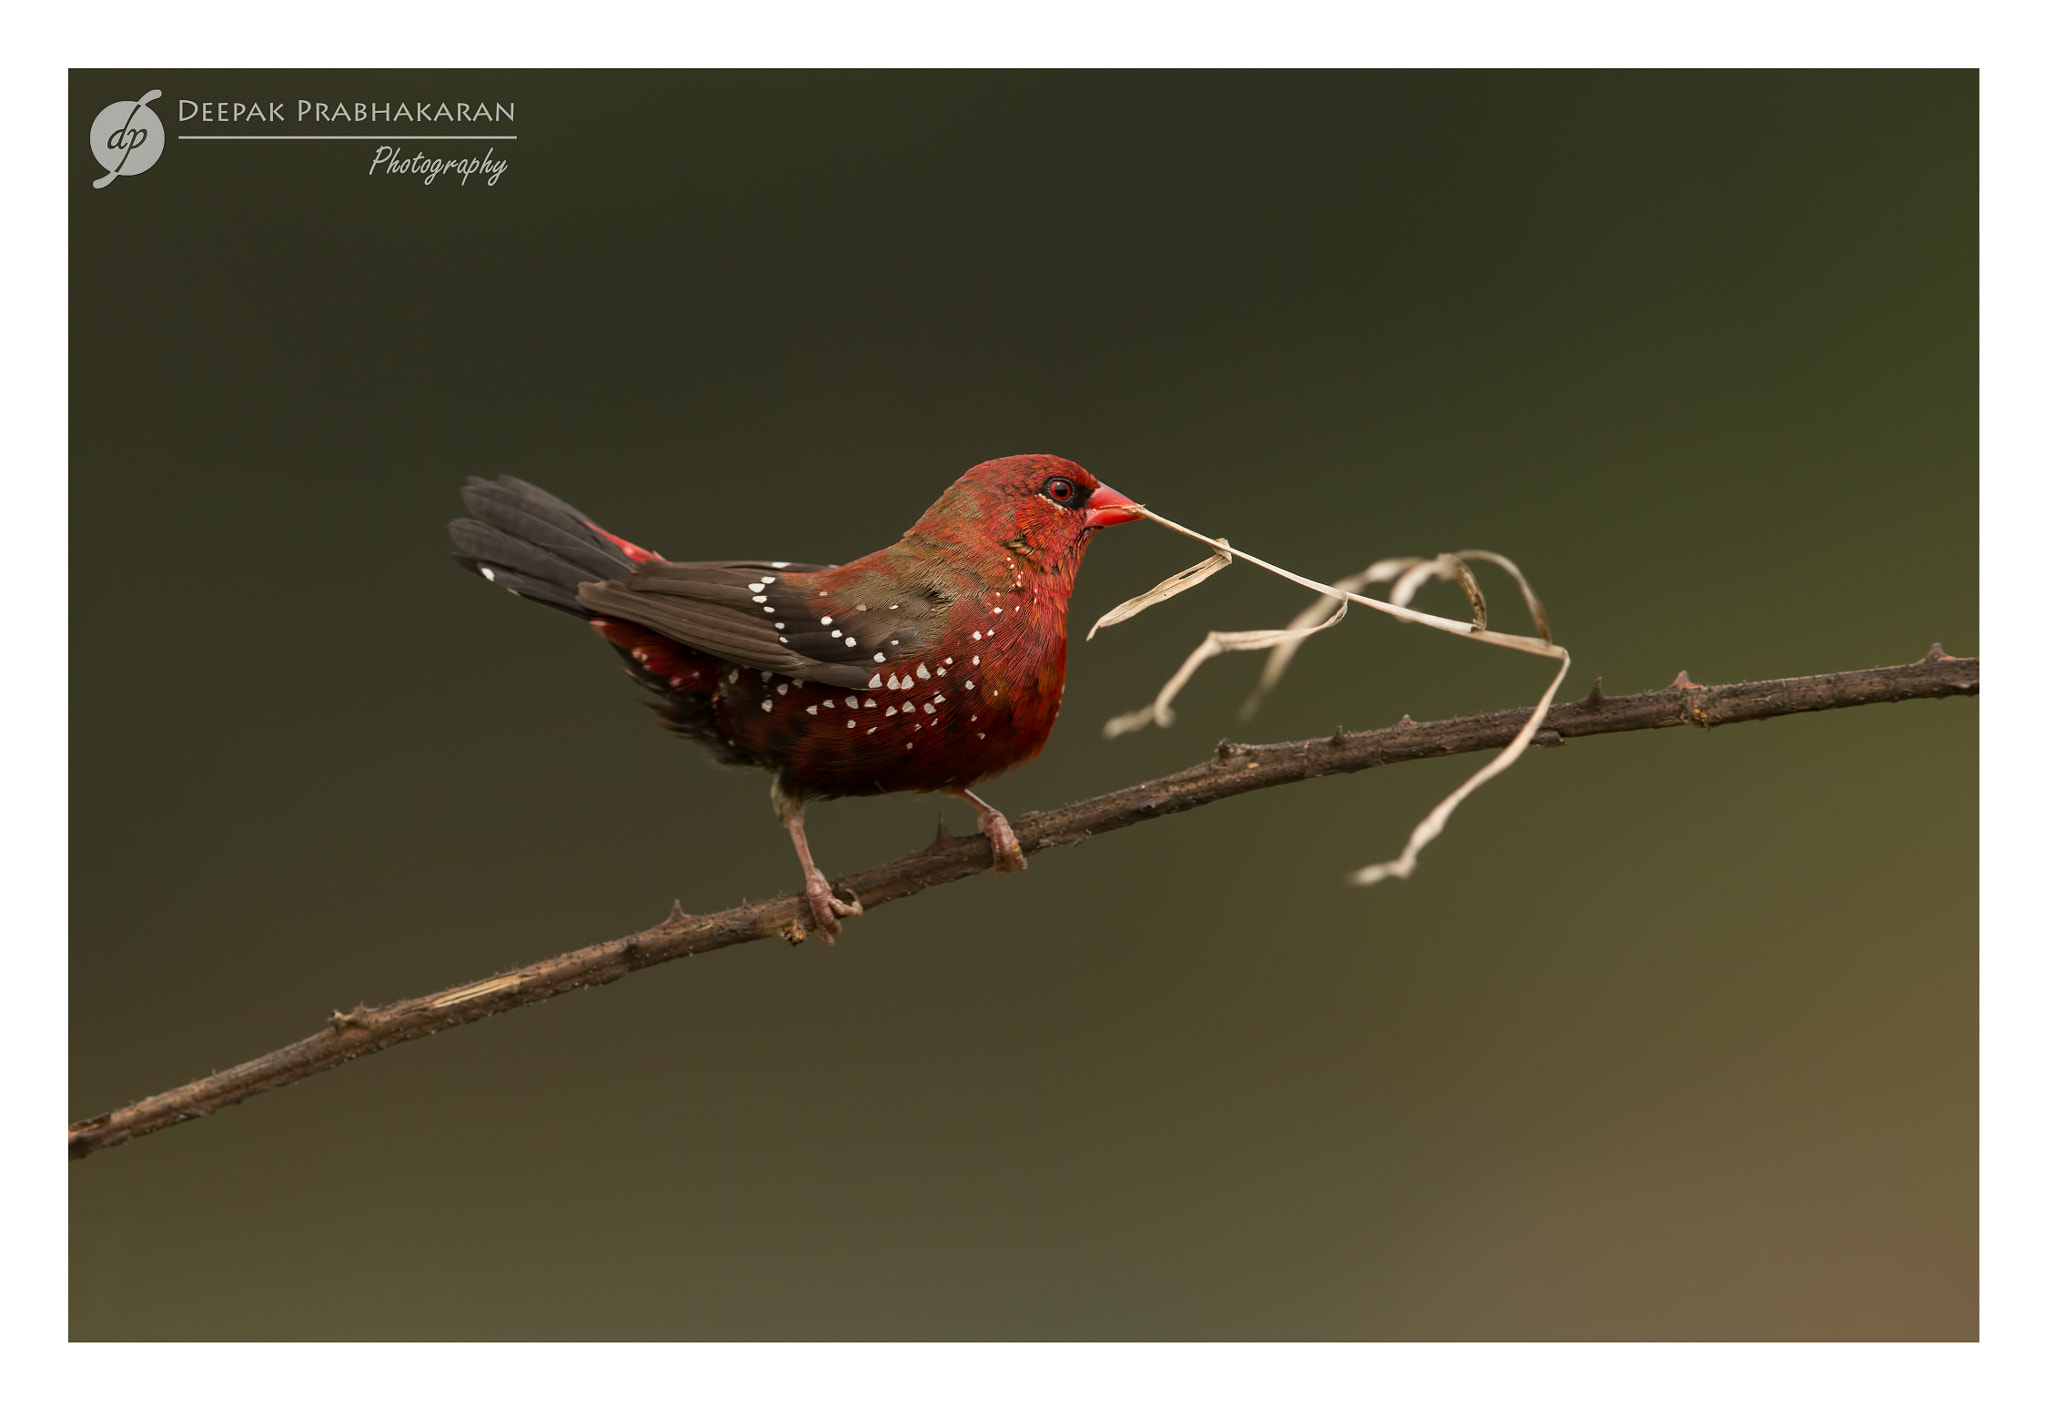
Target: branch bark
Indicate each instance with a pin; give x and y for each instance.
(1235, 769)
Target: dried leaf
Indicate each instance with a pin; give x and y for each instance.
(1179, 583)
(1407, 576)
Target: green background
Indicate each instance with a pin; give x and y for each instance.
(1673, 1035)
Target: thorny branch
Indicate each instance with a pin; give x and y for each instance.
(1235, 769)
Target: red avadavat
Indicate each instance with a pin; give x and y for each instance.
(929, 665)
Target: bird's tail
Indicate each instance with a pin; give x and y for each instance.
(525, 540)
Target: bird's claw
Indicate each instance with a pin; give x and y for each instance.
(1002, 840)
(827, 909)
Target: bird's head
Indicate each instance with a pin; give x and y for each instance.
(1041, 510)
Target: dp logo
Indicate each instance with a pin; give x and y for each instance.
(127, 138)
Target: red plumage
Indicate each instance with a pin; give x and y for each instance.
(929, 665)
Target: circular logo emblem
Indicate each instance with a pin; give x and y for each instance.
(128, 137)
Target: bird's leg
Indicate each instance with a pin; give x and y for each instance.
(996, 828)
(824, 906)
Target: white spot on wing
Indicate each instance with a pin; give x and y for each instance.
(489, 577)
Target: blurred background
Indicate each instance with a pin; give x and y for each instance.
(1672, 1036)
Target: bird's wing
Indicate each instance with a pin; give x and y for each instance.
(763, 615)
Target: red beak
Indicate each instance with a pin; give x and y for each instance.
(1106, 506)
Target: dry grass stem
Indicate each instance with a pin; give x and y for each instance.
(1407, 575)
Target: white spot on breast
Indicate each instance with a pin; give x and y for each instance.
(812, 710)
(873, 728)
(868, 704)
(489, 577)
(675, 680)
(977, 636)
(783, 689)
(734, 677)
(852, 703)
(942, 671)
(970, 685)
(929, 708)
(830, 704)
(977, 661)
(849, 725)
(949, 661)
(767, 705)
(889, 712)
(880, 657)
(998, 609)
(922, 674)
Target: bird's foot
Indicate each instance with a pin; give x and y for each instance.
(826, 908)
(1003, 840)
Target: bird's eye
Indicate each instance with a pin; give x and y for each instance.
(1060, 490)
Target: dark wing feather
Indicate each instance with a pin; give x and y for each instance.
(752, 615)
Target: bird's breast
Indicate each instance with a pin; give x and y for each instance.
(982, 699)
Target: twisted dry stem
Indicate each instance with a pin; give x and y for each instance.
(1235, 769)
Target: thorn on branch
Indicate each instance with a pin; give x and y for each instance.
(1934, 653)
(1596, 697)
(1682, 682)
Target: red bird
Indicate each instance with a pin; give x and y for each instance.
(929, 665)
